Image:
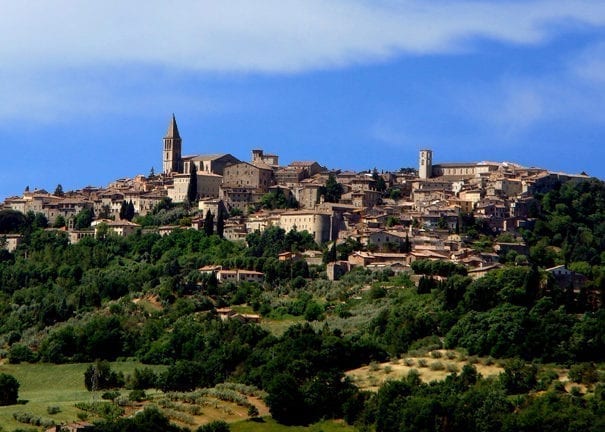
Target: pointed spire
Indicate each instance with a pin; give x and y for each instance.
(173, 130)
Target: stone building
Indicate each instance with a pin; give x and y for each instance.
(209, 164)
(318, 224)
(271, 160)
(208, 186)
(245, 175)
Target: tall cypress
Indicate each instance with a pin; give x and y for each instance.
(209, 223)
(220, 222)
(192, 188)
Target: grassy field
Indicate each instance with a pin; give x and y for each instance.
(44, 385)
(278, 326)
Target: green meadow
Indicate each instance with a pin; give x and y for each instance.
(48, 385)
(43, 385)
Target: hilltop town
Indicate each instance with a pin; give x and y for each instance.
(397, 216)
(250, 291)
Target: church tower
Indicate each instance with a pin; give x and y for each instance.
(425, 164)
(173, 163)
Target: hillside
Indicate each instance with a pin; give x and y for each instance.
(528, 350)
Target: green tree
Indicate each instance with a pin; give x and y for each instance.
(84, 218)
(209, 223)
(192, 187)
(286, 401)
(40, 221)
(220, 222)
(99, 376)
(184, 375)
(127, 210)
(379, 182)
(130, 211)
(330, 254)
(59, 191)
(332, 191)
(9, 389)
(59, 222)
(105, 212)
(11, 221)
(518, 377)
(123, 210)
(277, 199)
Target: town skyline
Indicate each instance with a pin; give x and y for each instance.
(354, 85)
(189, 152)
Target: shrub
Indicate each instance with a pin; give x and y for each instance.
(437, 365)
(313, 311)
(106, 410)
(32, 419)
(436, 354)
(413, 377)
(374, 366)
(21, 353)
(422, 362)
(252, 411)
(545, 378)
(451, 355)
(575, 391)
(137, 395)
(584, 373)
(214, 426)
(110, 395)
(452, 368)
(377, 292)
(53, 409)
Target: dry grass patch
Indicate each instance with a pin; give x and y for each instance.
(371, 377)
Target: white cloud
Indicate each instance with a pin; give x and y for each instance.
(267, 35)
(387, 134)
(590, 64)
(66, 57)
(515, 105)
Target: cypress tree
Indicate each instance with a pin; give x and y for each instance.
(130, 211)
(123, 210)
(209, 223)
(220, 222)
(192, 188)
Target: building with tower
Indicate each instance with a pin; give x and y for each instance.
(425, 167)
(175, 163)
(172, 160)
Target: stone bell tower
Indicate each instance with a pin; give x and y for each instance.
(425, 164)
(172, 160)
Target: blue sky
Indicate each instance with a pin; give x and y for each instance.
(87, 88)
